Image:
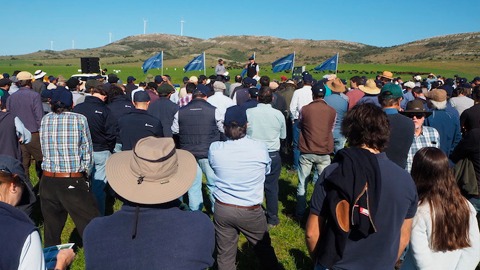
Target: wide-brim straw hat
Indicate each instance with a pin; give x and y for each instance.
(154, 172)
(336, 85)
(387, 74)
(370, 87)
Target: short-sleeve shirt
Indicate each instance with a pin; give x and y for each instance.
(398, 201)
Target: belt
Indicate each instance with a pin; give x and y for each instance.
(63, 175)
(239, 206)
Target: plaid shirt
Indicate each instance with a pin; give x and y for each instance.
(185, 100)
(66, 143)
(429, 137)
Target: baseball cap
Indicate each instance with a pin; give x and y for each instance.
(141, 96)
(130, 79)
(318, 88)
(391, 90)
(236, 114)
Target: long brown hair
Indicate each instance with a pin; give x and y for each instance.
(449, 210)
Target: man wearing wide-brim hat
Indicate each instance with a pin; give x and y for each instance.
(386, 77)
(339, 102)
(150, 231)
(371, 93)
(446, 123)
(424, 136)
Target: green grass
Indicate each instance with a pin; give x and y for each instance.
(346, 71)
(287, 237)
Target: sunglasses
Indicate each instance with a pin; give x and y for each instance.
(416, 115)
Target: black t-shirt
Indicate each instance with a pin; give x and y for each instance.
(398, 201)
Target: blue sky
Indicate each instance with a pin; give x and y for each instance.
(33, 25)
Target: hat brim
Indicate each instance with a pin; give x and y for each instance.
(39, 76)
(124, 182)
(369, 90)
(386, 77)
(336, 88)
(409, 113)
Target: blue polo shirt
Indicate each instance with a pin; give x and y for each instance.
(240, 166)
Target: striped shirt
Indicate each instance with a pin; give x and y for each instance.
(66, 143)
(429, 137)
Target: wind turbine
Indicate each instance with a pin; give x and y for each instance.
(181, 26)
(109, 37)
(51, 45)
(144, 26)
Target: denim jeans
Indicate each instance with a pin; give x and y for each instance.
(306, 163)
(338, 142)
(99, 178)
(295, 138)
(195, 193)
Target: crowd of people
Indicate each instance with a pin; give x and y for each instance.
(396, 169)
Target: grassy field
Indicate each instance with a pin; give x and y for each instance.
(345, 71)
(287, 238)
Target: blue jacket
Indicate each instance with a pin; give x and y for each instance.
(136, 125)
(102, 124)
(165, 110)
(448, 126)
(165, 238)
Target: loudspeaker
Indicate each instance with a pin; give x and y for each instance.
(297, 71)
(90, 64)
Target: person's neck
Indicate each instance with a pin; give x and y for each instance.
(418, 131)
(372, 150)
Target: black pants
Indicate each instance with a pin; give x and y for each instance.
(60, 197)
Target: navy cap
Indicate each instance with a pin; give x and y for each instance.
(250, 81)
(158, 79)
(251, 58)
(253, 91)
(130, 79)
(202, 89)
(62, 96)
(72, 83)
(141, 96)
(307, 78)
(236, 114)
(11, 165)
(318, 89)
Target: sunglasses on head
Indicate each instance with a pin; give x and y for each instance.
(417, 115)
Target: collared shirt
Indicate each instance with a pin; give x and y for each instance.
(300, 98)
(429, 137)
(220, 101)
(66, 143)
(266, 124)
(240, 166)
(26, 104)
(185, 100)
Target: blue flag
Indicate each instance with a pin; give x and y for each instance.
(330, 64)
(153, 62)
(283, 63)
(195, 64)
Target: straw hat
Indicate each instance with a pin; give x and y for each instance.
(370, 87)
(336, 85)
(387, 74)
(153, 172)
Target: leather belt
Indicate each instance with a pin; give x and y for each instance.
(63, 175)
(239, 206)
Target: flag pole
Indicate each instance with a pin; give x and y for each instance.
(162, 63)
(204, 65)
(336, 66)
(293, 66)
